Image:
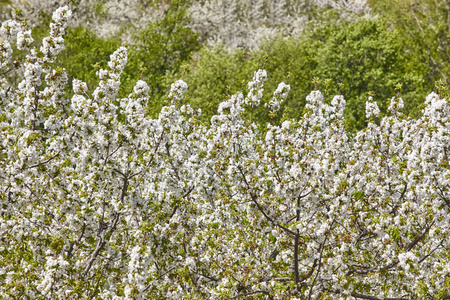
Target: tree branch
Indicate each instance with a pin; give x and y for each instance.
(287, 230)
(251, 293)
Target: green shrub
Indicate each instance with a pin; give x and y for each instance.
(360, 57)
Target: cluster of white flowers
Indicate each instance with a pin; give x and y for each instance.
(396, 104)
(256, 88)
(246, 23)
(141, 88)
(5, 53)
(97, 199)
(24, 40)
(9, 30)
(279, 95)
(79, 86)
(372, 109)
(177, 90)
(54, 43)
(110, 79)
(106, 18)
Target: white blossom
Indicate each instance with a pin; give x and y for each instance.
(79, 86)
(177, 90)
(372, 109)
(97, 198)
(24, 39)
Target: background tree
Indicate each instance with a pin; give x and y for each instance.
(425, 27)
(362, 55)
